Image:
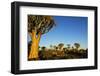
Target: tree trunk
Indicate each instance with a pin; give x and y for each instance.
(33, 55)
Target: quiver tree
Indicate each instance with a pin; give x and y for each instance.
(60, 46)
(77, 45)
(38, 25)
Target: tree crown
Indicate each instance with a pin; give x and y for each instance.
(40, 23)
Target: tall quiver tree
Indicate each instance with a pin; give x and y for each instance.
(38, 25)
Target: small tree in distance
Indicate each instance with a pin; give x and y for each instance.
(60, 46)
(77, 45)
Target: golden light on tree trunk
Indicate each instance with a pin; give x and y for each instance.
(34, 47)
(37, 25)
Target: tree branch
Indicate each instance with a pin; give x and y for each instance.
(33, 34)
(39, 36)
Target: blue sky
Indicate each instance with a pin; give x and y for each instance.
(68, 30)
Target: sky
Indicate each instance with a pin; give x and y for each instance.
(68, 30)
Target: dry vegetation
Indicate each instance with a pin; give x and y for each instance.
(61, 52)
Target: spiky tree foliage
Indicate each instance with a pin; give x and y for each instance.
(43, 48)
(77, 45)
(60, 46)
(38, 25)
